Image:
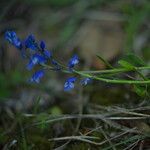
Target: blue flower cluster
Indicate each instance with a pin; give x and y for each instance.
(39, 55)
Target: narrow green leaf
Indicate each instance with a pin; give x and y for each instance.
(141, 91)
(126, 65)
(36, 104)
(105, 62)
(134, 60)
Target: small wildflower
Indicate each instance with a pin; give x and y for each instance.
(73, 61)
(40, 55)
(35, 59)
(86, 81)
(42, 45)
(37, 76)
(30, 42)
(69, 84)
(11, 36)
(45, 52)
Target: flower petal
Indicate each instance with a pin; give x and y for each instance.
(11, 36)
(37, 76)
(35, 59)
(47, 53)
(42, 45)
(69, 84)
(73, 61)
(30, 42)
(86, 81)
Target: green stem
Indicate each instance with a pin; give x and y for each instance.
(116, 81)
(117, 70)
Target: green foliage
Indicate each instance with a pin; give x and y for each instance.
(7, 81)
(56, 111)
(42, 118)
(4, 86)
(54, 3)
(146, 53)
(137, 15)
(133, 60)
(140, 90)
(105, 61)
(36, 105)
(126, 65)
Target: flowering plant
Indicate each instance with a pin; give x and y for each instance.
(38, 54)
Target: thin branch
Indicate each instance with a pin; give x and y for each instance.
(83, 116)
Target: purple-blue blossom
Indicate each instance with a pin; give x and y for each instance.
(37, 76)
(45, 52)
(69, 84)
(73, 61)
(40, 55)
(35, 59)
(30, 42)
(42, 45)
(11, 36)
(86, 81)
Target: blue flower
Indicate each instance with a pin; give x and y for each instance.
(69, 84)
(11, 36)
(30, 42)
(37, 76)
(86, 81)
(42, 45)
(45, 52)
(35, 59)
(40, 55)
(73, 61)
